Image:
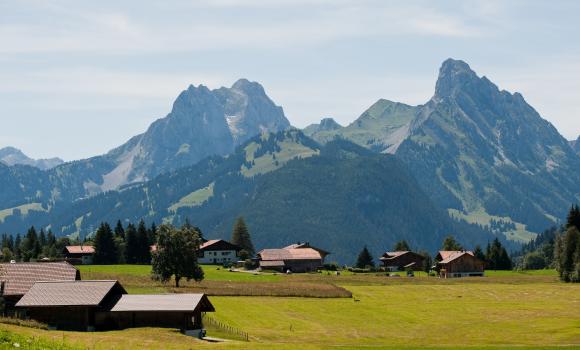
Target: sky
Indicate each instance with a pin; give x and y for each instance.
(78, 78)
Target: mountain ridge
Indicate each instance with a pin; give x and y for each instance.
(13, 156)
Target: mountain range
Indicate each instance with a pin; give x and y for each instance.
(473, 161)
(480, 152)
(11, 156)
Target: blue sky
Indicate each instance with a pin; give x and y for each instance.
(78, 78)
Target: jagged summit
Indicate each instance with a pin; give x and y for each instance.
(249, 87)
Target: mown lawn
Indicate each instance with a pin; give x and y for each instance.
(520, 310)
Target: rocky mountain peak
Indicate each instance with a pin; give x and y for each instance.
(456, 76)
(13, 156)
(329, 124)
(249, 87)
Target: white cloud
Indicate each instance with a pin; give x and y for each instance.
(90, 30)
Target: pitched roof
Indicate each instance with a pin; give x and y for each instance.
(80, 249)
(218, 244)
(69, 293)
(290, 254)
(306, 245)
(18, 278)
(444, 254)
(392, 255)
(163, 302)
(453, 256)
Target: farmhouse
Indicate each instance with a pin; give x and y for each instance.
(292, 258)
(301, 245)
(402, 260)
(458, 264)
(105, 305)
(17, 278)
(79, 254)
(218, 251)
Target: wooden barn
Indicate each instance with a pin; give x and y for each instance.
(16, 279)
(458, 264)
(402, 260)
(79, 254)
(290, 259)
(301, 245)
(105, 305)
(70, 305)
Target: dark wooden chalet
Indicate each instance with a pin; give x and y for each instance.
(402, 260)
(79, 254)
(458, 264)
(70, 305)
(105, 305)
(16, 279)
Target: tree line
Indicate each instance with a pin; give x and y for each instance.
(495, 256)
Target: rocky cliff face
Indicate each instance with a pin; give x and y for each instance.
(481, 149)
(576, 145)
(13, 156)
(249, 111)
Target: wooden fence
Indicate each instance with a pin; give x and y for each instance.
(224, 327)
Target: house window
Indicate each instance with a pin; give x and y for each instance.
(225, 253)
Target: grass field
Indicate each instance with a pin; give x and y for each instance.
(520, 310)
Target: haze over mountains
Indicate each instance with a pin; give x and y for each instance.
(13, 156)
(472, 153)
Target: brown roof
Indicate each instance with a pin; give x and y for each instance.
(392, 255)
(290, 254)
(163, 302)
(80, 249)
(218, 244)
(452, 255)
(444, 254)
(18, 278)
(306, 245)
(208, 243)
(69, 293)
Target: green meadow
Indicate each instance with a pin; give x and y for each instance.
(519, 310)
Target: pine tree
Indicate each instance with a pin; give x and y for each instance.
(569, 257)
(131, 244)
(241, 238)
(365, 259)
(151, 233)
(427, 261)
(143, 250)
(401, 246)
(105, 251)
(478, 253)
(17, 247)
(176, 254)
(451, 244)
(573, 218)
(119, 230)
(42, 238)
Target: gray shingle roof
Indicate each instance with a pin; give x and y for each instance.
(68, 293)
(18, 278)
(163, 302)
